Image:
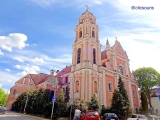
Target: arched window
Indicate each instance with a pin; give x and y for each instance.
(110, 86)
(78, 55)
(121, 70)
(94, 56)
(80, 34)
(95, 87)
(77, 86)
(93, 34)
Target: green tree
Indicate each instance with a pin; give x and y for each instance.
(120, 100)
(123, 92)
(144, 104)
(3, 97)
(93, 104)
(117, 104)
(61, 108)
(147, 78)
(67, 97)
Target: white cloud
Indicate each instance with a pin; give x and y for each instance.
(18, 66)
(0, 85)
(8, 80)
(16, 40)
(34, 45)
(43, 3)
(1, 53)
(38, 60)
(7, 70)
(18, 59)
(23, 73)
(27, 70)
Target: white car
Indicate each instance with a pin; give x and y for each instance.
(2, 110)
(153, 117)
(137, 117)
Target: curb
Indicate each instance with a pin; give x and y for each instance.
(28, 116)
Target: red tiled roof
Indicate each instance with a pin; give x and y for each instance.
(37, 78)
(103, 55)
(40, 78)
(64, 71)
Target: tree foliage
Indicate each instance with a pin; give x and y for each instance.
(3, 97)
(120, 101)
(147, 78)
(39, 102)
(67, 97)
(93, 104)
(144, 103)
(123, 92)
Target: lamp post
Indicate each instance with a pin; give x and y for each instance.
(72, 99)
(26, 101)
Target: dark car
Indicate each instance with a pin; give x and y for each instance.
(90, 115)
(110, 116)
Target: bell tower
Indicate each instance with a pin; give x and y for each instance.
(86, 47)
(86, 75)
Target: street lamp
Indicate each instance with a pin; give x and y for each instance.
(71, 99)
(26, 101)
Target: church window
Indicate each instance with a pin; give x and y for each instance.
(121, 70)
(133, 93)
(77, 86)
(94, 56)
(110, 86)
(93, 34)
(80, 34)
(66, 79)
(95, 87)
(78, 55)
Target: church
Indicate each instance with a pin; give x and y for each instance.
(92, 71)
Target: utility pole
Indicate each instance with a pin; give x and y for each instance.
(54, 98)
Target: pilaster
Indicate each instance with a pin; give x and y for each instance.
(104, 90)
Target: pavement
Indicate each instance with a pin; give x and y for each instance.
(25, 115)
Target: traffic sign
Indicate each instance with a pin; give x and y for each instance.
(53, 99)
(158, 90)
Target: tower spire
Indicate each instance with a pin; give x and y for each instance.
(107, 44)
(86, 7)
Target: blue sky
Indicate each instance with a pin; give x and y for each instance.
(37, 35)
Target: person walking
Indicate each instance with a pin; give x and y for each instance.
(77, 114)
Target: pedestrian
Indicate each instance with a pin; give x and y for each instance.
(77, 114)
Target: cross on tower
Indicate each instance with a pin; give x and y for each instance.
(87, 7)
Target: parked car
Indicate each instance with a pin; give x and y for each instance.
(153, 117)
(137, 117)
(2, 110)
(90, 115)
(110, 116)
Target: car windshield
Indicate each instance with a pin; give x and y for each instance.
(142, 116)
(111, 114)
(92, 113)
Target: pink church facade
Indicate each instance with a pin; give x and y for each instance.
(91, 71)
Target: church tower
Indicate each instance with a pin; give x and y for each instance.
(86, 73)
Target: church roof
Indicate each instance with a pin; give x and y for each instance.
(65, 70)
(36, 78)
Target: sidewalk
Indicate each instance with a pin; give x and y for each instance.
(28, 116)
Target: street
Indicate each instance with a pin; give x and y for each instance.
(16, 116)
